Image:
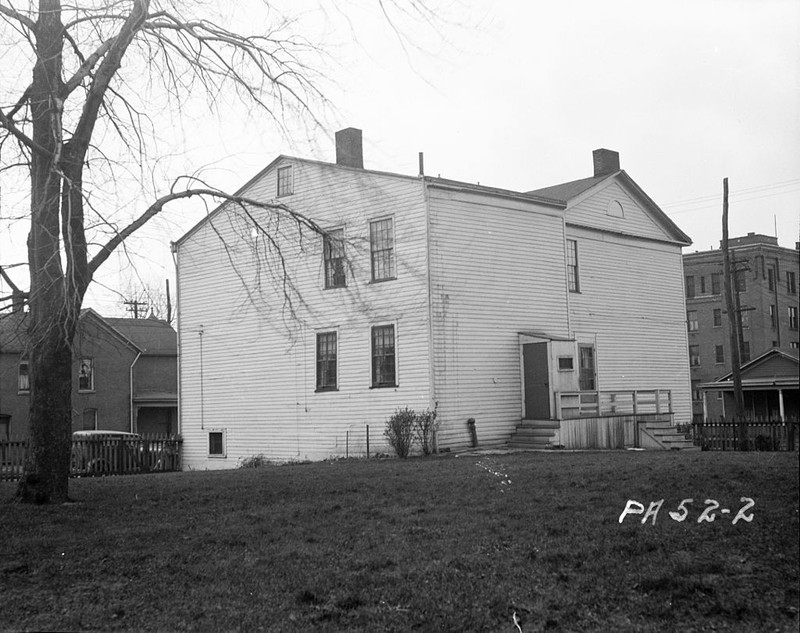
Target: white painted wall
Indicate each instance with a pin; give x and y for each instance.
(258, 349)
(497, 269)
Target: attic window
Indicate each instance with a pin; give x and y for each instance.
(285, 181)
(615, 209)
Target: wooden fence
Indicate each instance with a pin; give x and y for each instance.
(724, 434)
(99, 456)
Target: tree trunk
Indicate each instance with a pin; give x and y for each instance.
(53, 314)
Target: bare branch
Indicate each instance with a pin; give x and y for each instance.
(24, 20)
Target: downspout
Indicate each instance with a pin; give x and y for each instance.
(133, 410)
(431, 359)
(173, 248)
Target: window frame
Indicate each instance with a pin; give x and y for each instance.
(716, 315)
(564, 367)
(88, 361)
(690, 289)
(586, 382)
(791, 282)
(94, 416)
(694, 356)
(333, 267)
(284, 185)
(792, 310)
(716, 283)
(573, 266)
(223, 443)
(320, 363)
(692, 322)
(374, 375)
(719, 354)
(389, 253)
(24, 362)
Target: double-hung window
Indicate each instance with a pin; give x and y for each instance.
(86, 375)
(694, 355)
(719, 354)
(326, 361)
(384, 359)
(715, 283)
(334, 256)
(573, 277)
(792, 317)
(285, 181)
(791, 282)
(690, 286)
(381, 248)
(717, 317)
(23, 377)
(691, 321)
(586, 373)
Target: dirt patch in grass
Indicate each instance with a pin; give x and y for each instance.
(446, 544)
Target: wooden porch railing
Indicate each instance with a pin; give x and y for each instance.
(584, 404)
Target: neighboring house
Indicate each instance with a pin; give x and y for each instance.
(767, 299)
(492, 305)
(125, 375)
(770, 384)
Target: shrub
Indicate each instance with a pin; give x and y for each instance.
(400, 431)
(254, 461)
(424, 427)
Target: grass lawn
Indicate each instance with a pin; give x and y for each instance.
(438, 544)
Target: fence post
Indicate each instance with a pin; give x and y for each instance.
(367, 441)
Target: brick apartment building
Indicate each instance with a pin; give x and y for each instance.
(766, 293)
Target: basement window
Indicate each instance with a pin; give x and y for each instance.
(216, 443)
(566, 363)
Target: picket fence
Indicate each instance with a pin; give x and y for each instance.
(723, 434)
(92, 457)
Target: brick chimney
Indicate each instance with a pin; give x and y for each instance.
(348, 148)
(606, 161)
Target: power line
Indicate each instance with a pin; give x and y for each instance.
(776, 185)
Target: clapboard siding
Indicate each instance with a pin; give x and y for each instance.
(497, 268)
(631, 302)
(258, 342)
(592, 211)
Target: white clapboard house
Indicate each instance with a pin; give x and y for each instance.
(549, 318)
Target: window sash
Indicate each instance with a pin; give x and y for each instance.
(86, 375)
(23, 376)
(715, 284)
(384, 370)
(285, 184)
(334, 256)
(326, 361)
(792, 318)
(381, 246)
(719, 354)
(586, 374)
(691, 321)
(717, 317)
(573, 277)
(694, 355)
(689, 286)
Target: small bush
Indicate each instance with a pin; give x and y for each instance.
(400, 431)
(424, 427)
(254, 461)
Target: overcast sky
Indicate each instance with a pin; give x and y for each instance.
(517, 94)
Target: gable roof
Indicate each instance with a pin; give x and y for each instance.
(152, 336)
(769, 358)
(149, 336)
(566, 191)
(570, 191)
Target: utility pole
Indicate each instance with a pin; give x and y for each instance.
(734, 327)
(135, 305)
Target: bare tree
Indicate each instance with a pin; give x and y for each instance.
(81, 110)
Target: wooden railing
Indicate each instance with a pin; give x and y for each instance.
(725, 434)
(584, 404)
(103, 456)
